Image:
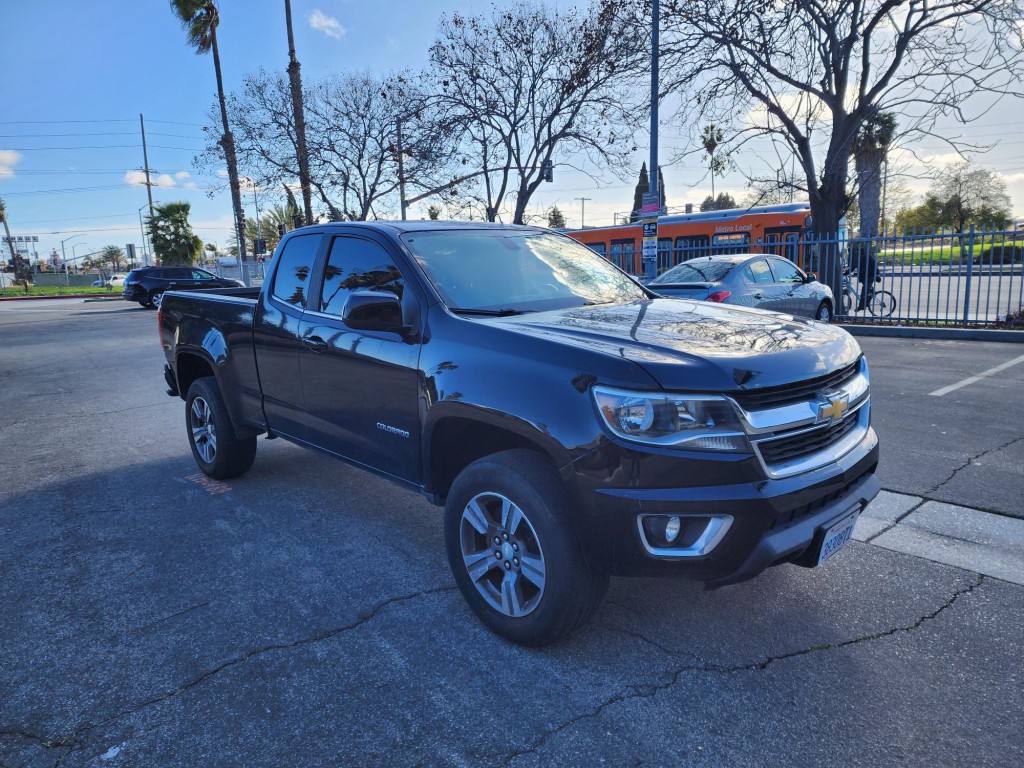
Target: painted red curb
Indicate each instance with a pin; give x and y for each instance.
(62, 296)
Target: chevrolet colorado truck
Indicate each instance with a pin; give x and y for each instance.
(573, 424)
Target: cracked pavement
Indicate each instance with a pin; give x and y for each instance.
(305, 615)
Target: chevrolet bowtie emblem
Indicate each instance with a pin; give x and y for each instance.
(833, 408)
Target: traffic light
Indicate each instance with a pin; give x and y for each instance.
(281, 230)
(261, 246)
(548, 171)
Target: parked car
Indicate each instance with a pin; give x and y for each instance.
(115, 281)
(146, 285)
(749, 280)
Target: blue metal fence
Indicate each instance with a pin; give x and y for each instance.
(972, 278)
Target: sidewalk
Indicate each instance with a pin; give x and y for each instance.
(983, 542)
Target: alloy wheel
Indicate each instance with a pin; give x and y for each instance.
(502, 554)
(204, 431)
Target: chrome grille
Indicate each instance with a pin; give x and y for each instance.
(798, 392)
(782, 450)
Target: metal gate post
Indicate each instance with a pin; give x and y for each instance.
(970, 270)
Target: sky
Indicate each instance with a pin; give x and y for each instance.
(76, 76)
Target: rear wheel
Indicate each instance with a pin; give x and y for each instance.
(155, 299)
(882, 304)
(513, 553)
(847, 301)
(217, 450)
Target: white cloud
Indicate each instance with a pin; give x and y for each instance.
(191, 185)
(182, 175)
(222, 172)
(8, 159)
(329, 25)
(138, 179)
(135, 178)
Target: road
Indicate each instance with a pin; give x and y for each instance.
(305, 615)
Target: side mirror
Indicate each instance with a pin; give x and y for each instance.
(810, 277)
(374, 311)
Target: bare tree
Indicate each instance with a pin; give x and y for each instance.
(809, 72)
(529, 82)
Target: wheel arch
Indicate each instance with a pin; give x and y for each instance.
(455, 441)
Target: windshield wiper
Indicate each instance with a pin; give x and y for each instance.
(507, 312)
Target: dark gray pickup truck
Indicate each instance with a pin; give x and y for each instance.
(574, 425)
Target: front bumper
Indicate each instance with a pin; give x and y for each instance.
(773, 520)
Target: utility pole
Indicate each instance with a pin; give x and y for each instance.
(145, 159)
(401, 170)
(652, 200)
(583, 210)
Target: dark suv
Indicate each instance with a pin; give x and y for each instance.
(146, 285)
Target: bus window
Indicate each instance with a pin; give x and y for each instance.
(690, 247)
(665, 254)
(623, 255)
(734, 242)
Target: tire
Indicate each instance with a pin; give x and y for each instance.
(882, 304)
(155, 299)
(217, 450)
(513, 553)
(847, 302)
(144, 304)
(824, 312)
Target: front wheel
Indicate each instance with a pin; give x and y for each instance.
(824, 313)
(513, 553)
(847, 301)
(218, 451)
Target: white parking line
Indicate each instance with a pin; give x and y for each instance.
(979, 377)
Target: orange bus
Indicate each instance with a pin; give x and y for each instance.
(777, 229)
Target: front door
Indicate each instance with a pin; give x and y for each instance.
(361, 387)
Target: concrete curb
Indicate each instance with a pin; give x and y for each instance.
(952, 334)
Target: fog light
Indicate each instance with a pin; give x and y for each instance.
(672, 529)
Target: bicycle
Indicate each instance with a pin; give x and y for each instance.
(879, 303)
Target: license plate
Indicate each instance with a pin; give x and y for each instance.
(837, 536)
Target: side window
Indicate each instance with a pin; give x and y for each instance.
(293, 268)
(355, 264)
(786, 272)
(198, 274)
(179, 274)
(758, 272)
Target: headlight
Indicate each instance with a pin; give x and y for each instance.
(691, 422)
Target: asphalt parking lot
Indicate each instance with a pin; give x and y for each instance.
(304, 614)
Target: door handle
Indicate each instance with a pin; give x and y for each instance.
(315, 343)
(758, 296)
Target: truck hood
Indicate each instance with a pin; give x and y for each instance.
(699, 345)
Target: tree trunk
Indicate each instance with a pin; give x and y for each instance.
(228, 143)
(295, 80)
(828, 206)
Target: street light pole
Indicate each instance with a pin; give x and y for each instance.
(64, 256)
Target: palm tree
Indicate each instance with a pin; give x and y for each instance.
(112, 255)
(295, 79)
(200, 18)
(711, 137)
(870, 150)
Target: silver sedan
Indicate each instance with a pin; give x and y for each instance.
(749, 280)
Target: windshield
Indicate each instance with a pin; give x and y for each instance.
(504, 271)
(696, 271)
